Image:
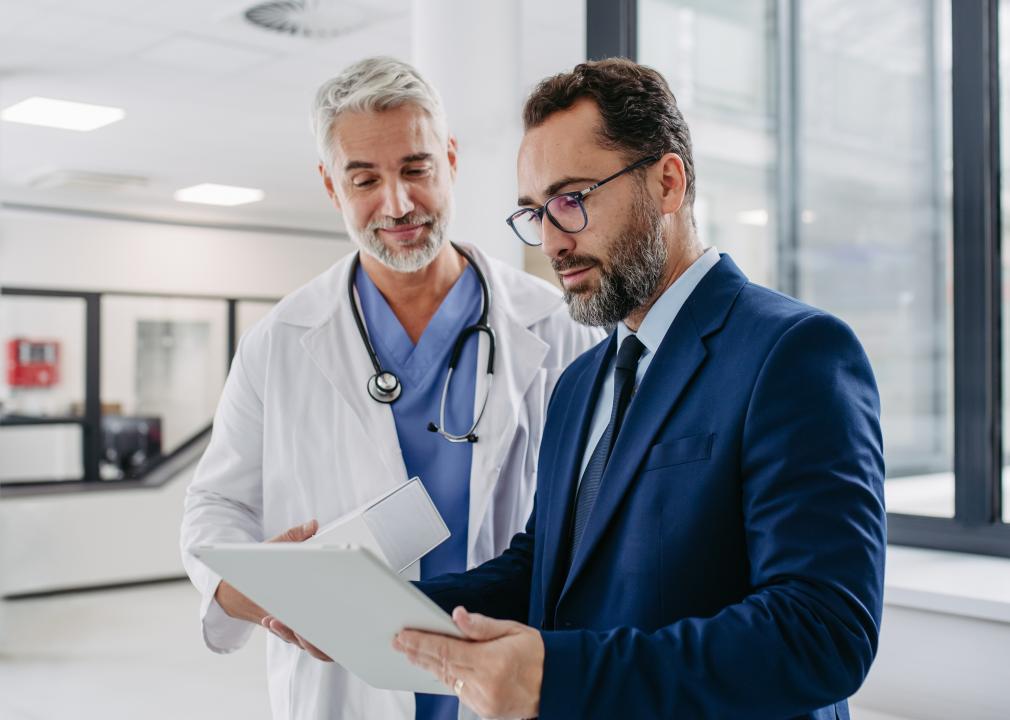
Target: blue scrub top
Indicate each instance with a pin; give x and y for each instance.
(442, 466)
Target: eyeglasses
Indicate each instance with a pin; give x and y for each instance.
(566, 211)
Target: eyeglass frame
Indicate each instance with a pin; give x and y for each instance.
(578, 196)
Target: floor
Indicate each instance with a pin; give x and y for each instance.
(133, 653)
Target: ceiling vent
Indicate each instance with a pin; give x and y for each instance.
(84, 180)
(322, 18)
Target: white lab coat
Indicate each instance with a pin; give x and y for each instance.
(296, 436)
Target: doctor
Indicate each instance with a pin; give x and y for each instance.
(336, 396)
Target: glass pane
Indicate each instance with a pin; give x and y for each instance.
(163, 367)
(877, 189)
(1004, 97)
(873, 188)
(719, 58)
(43, 345)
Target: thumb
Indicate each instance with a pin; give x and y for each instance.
(298, 533)
(480, 627)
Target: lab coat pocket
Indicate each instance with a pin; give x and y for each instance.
(679, 451)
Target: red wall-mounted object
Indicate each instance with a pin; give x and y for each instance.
(33, 363)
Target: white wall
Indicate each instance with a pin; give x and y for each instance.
(51, 542)
(36, 454)
(937, 666)
(944, 639)
(83, 253)
(518, 43)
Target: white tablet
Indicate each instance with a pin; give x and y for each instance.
(341, 599)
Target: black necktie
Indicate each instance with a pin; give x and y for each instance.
(589, 486)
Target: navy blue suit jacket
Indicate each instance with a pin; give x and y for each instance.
(732, 566)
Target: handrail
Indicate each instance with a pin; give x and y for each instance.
(168, 467)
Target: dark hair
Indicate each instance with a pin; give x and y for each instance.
(639, 112)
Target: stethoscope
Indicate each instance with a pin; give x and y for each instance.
(385, 387)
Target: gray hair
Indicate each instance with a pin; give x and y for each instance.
(371, 85)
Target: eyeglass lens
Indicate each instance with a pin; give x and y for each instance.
(566, 211)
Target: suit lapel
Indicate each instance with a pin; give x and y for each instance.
(561, 480)
(678, 358)
(670, 372)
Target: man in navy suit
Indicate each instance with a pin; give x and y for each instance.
(709, 532)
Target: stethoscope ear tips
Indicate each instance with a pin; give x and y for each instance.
(470, 438)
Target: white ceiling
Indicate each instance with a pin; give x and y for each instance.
(208, 98)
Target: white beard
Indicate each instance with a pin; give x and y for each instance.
(410, 259)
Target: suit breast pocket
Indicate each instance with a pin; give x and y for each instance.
(679, 451)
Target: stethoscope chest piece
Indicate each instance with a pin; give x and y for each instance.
(384, 387)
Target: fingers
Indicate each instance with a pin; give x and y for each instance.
(290, 636)
(436, 658)
(280, 629)
(497, 671)
(436, 663)
(438, 651)
(299, 533)
(481, 627)
(312, 649)
(235, 604)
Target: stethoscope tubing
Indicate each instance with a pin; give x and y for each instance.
(385, 387)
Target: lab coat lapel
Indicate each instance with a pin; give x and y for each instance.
(336, 348)
(574, 421)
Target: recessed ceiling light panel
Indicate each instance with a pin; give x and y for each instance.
(62, 114)
(83, 180)
(211, 194)
(757, 218)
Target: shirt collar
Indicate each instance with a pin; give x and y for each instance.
(664, 311)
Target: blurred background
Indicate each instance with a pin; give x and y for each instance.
(158, 193)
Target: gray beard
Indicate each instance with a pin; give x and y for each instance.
(638, 258)
(405, 261)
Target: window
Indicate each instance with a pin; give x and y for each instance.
(108, 386)
(842, 157)
(41, 388)
(163, 366)
(815, 193)
(873, 245)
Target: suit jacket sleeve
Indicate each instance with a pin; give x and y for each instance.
(499, 588)
(812, 489)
